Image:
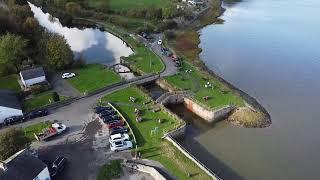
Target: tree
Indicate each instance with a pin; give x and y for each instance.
(167, 12)
(73, 8)
(12, 50)
(11, 142)
(57, 54)
(31, 26)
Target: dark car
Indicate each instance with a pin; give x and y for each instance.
(38, 113)
(115, 124)
(105, 113)
(117, 130)
(57, 166)
(13, 120)
(99, 109)
(110, 117)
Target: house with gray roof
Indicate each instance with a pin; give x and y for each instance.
(24, 165)
(9, 105)
(33, 76)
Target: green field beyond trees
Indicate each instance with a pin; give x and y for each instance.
(129, 4)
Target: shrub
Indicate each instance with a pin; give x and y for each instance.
(55, 97)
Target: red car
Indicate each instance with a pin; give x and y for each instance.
(116, 124)
(174, 58)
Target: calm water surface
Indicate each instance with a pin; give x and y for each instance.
(270, 49)
(95, 45)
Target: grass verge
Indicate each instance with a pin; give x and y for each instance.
(10, 83)
(110, 170)
(116, 5)
(93, 77)
(149, 132)
(35, 128)
(39, 100)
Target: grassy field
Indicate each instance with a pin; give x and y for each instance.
(144, 59)
(129, 4)
(35, 128)
(93, 77)
(150, 144)
(39, 100)
(195, 81)
(10, 83)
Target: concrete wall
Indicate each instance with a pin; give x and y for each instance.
(208, 115)
(8, 112)
(43, 175)
(164, 85)
(191, 157)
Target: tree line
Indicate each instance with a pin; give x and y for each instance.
(24, 43)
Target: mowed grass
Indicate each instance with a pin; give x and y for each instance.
(92, 77)
(151, 145)
(39, 100)
(10, 83)
(129, 4)
(35, 129)
(195, 81)
(143, 59)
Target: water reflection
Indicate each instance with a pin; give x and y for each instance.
(95, 45)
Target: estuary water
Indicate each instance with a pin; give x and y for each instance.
(271, 50)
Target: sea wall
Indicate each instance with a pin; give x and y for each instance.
(178, 97)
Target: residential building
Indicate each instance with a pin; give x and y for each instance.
(24, 165)
(32, 76)
(9, 105)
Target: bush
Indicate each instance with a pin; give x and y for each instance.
(11, 142)
(39, 88)
(111, 170)
(169, 24)
(55, 97)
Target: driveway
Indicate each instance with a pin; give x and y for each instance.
(62, 86)
(170, 68)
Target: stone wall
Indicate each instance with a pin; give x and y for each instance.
(208, 115)
(164, 85)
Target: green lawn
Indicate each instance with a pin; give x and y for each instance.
(10, 82)
(144, 59)
(39, 100)
(129, 4)
(93, 77)
(195, 81)
(150, 144)
(35, 128)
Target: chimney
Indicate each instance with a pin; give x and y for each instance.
(3, 165)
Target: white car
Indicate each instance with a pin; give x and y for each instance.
(118, 137)
(121, 145)
(160, 42)
(68, 75)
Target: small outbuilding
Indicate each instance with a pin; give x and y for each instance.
(24, 165)
(33, 76)
(9, 105)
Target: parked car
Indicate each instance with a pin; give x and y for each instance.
(38, 113)
(121, 145)
(106, 112)
(13, 119)
(99, 109)
(118, 137)
(57, 166)
(68, 75)
(115, 124)
(108, 119)
(117, 130)
(159, 41)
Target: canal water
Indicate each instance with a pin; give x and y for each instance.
(271, 50)
(94, 45)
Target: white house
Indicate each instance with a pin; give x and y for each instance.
(24, 165)
(9, 105)
(32, 76)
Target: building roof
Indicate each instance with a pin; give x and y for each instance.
(32, 73)
(9, 99)
(22, 166)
